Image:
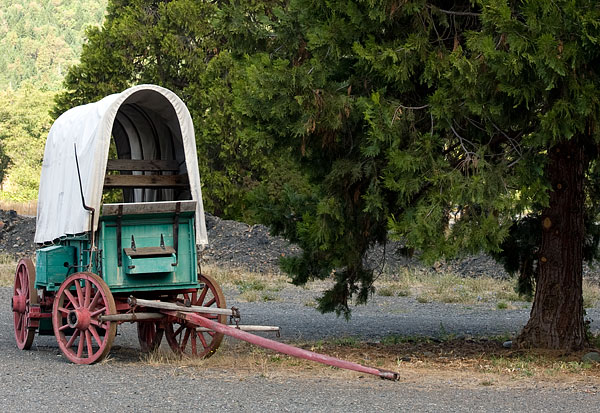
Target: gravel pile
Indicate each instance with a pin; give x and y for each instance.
(238, 245)
(16, 234)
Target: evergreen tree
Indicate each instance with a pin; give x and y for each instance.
(442, 127)
(448, 126)
(197, 49)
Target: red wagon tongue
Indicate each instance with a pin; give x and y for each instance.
(281, 347)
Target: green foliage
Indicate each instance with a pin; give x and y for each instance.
(24, 124)
(421, 121)
(342, 123)
(197, 49)
(40, 39)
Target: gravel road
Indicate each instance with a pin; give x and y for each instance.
(42, 378)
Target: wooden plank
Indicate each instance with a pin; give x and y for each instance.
(149, 207)
(142, 165)
(146, 181)
(149, 251)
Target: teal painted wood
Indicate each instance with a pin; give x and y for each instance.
(147, 231)
(154, 273)
(53, 264)
(149, 265)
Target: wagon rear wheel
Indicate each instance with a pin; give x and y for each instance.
(183, 337)
(80, 301)
(24, 296)
(150, 334)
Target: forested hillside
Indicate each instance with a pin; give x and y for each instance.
(39, 41)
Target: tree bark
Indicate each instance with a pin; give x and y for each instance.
(556, 319)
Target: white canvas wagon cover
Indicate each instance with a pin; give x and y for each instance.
(152, 122)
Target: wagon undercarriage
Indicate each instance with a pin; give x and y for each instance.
(85, 316)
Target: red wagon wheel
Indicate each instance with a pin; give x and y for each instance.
(81, 299)
(183, 337)
(24, 295)
(150, 334)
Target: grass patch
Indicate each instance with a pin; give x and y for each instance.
(428, 286)
(244, 280)
(470, 361)
(591, 294)
(252, 286)
(8, 266)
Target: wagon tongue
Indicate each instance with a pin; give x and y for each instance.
(193, 315)
(280, 347)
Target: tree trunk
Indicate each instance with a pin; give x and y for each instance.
(556, 320)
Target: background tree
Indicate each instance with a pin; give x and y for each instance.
(443, 127)
(39, 40)
(197, 49)
(346, 122)
(24, 124)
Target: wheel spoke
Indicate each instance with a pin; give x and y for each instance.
(95, 300)
(211, 302)
(178, 330)
(63, 328)
(194, 349)
(80, 347)
(87, 293)
(98, 312)
(72, 299)
(202, 295)
(202, 339)
(186, 337)
(96, 335)
(73, 338)
(88, 340)
(79, 293)
(63, 310)
(99, 324)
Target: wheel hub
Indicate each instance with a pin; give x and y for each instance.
(79, 319)
(19, 304)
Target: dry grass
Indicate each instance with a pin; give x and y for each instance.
(591, 294)
(246, 280)
(8, 266)
(468, 362)
(251, 286)
(447, 288)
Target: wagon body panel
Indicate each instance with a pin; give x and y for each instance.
(53, 265)
(166, 271)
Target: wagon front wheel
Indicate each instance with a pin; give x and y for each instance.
(24, 296)
(81, 300)
(184, 337)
